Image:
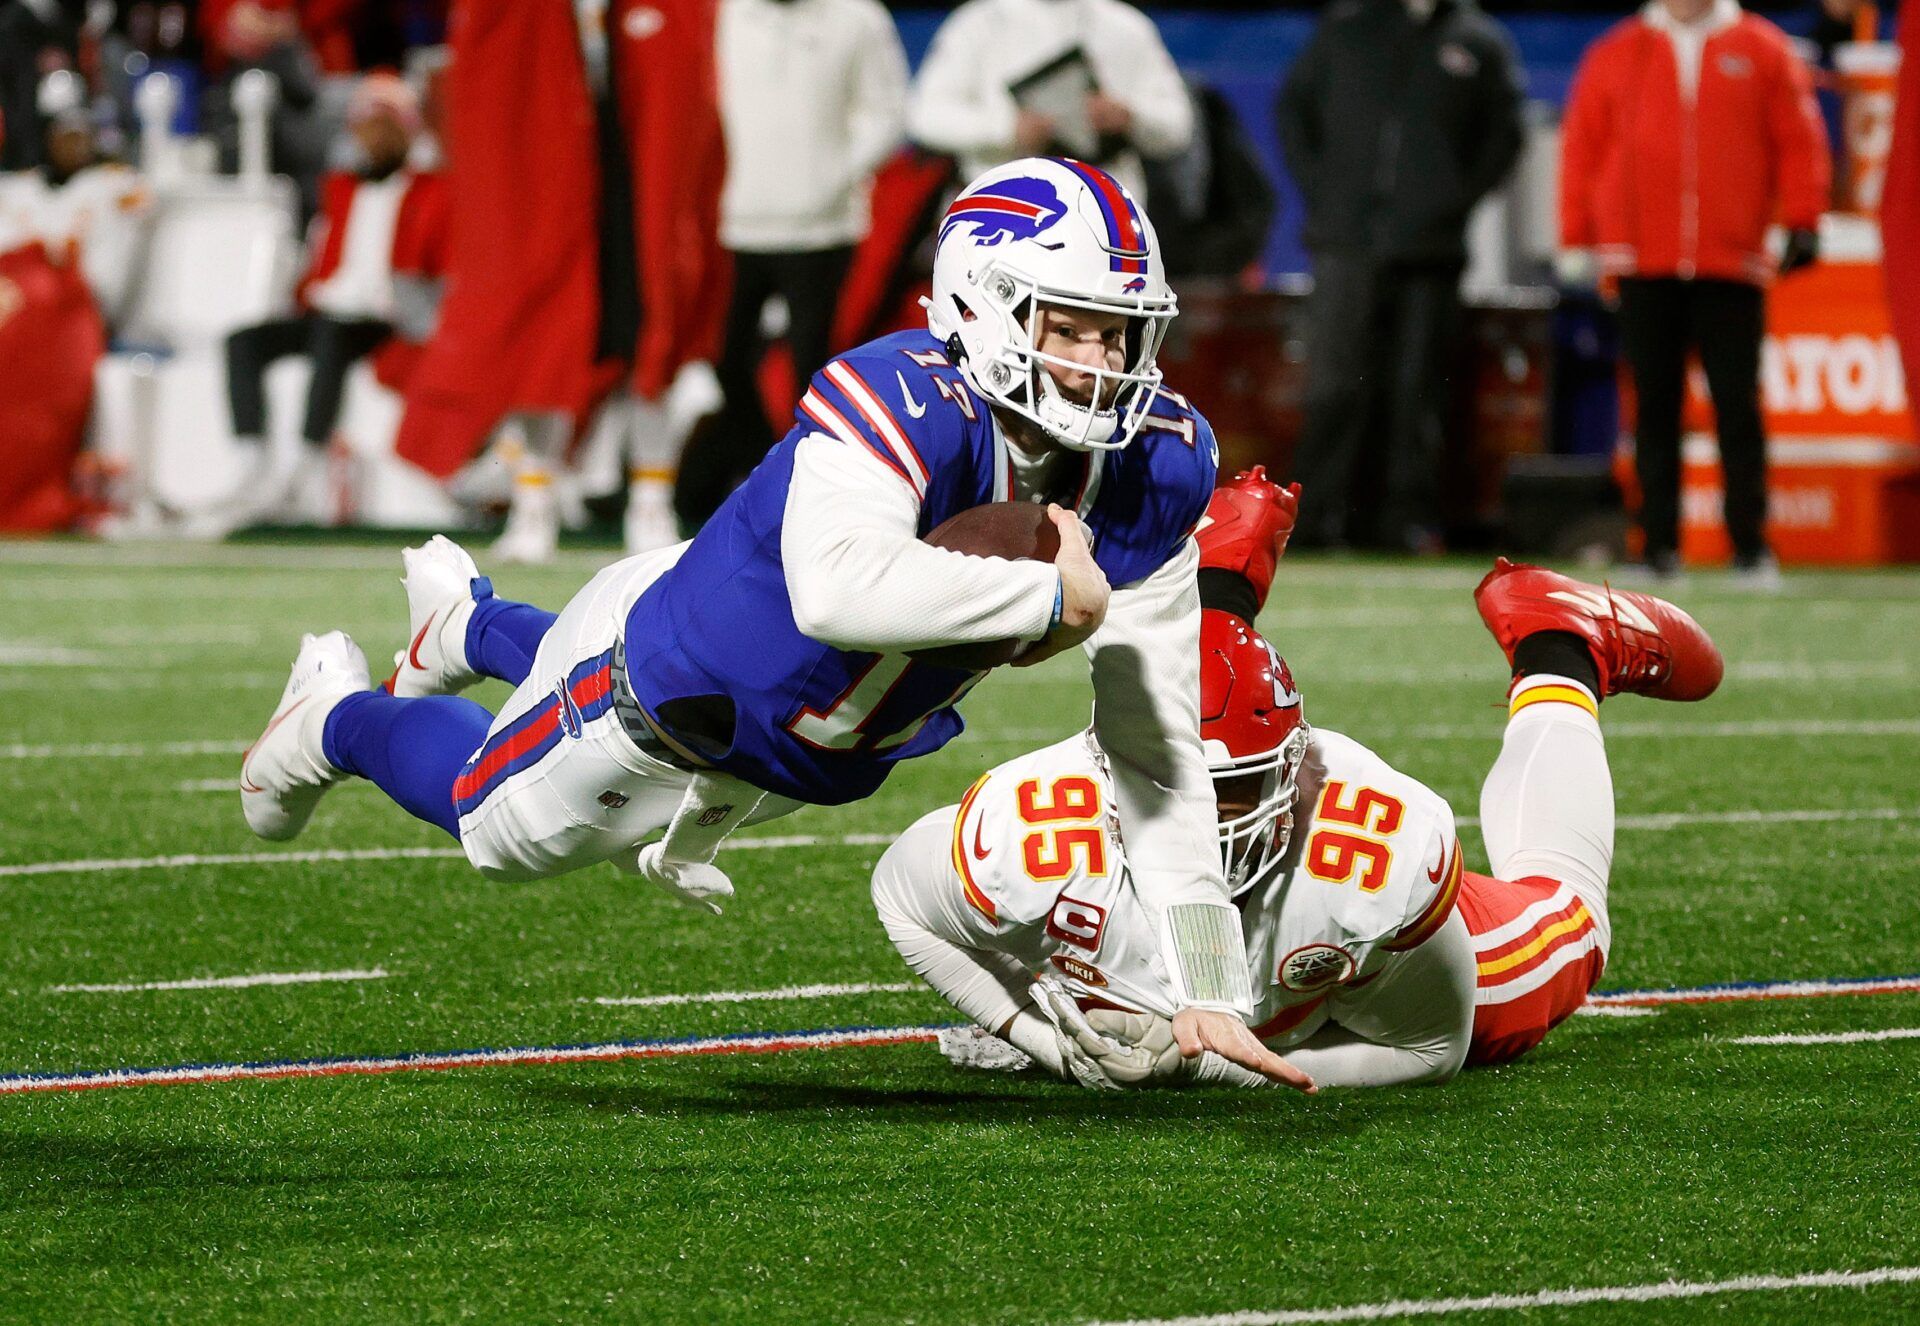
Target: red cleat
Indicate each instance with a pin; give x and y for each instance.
(1639, 643)
(1246, 527)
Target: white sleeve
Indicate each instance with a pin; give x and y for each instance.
(1146, 717)
(1411, 1024)
(1153, 90)
(860, 579)
(878, 118)
(954, 107)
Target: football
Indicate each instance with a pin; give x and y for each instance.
(1013, 530)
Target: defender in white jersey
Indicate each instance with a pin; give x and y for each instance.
(1377, 957)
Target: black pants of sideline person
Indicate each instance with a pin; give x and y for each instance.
(726, 449)
(1379, 343)
(332, 343)
(1660, 320)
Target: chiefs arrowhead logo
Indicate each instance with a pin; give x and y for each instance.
(1314, 967)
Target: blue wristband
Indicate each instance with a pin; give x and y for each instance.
(1059, 602)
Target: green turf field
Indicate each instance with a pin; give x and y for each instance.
(1770, 834)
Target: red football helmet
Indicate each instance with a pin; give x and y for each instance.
(1254, 728)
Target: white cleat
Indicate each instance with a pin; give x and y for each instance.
(285, 771)
(442, 586)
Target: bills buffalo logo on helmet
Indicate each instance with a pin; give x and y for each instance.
(1019, 208)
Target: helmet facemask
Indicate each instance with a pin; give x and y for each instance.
(1015, 372)
(1254, 841)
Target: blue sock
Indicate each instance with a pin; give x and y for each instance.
(413, 749)
(502, 637)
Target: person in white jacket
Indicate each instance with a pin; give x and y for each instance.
(965, 99)
(813, 98)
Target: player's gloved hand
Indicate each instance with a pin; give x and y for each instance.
(1197, 1030)
(1095, 1060)
(1249, 519)
(1143, 1031)
(1083, 591)
(700, 883)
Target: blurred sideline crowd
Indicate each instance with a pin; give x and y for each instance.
(418, 261)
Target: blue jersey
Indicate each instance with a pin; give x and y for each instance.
(715, 635)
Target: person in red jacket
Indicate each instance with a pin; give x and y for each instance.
(1690, 129)
(378, 223)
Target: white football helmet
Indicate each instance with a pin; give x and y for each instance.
(1048, 231)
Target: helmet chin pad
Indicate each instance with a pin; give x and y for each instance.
(1078, 427)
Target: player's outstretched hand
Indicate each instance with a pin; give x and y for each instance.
(1083, 591)
(1197, 1029)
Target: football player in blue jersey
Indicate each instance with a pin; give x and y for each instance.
(770, 662)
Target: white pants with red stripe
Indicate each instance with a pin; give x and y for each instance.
(1541, 930)
(557, 785)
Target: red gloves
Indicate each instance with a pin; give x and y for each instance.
(1246, 527)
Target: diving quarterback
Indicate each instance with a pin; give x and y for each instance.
(769, 662)
(1378, 957)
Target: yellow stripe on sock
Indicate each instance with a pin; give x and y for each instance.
(533, 479)
(1553, 695)
(649, 474)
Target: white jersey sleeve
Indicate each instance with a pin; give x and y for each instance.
(1146, 716)
(859, 577)
(1411, 1023)
(1372, 870)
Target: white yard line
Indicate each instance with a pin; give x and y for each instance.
(1813, 727)
(1593, 1010)
(755, 996)
(1831, 1038)
(120, 679)
(1658, 823)
(189, 860)
(1688, 819)
(831, 1038)
(35, 654)
(811, 840)
(228, 982)
(119, 750)
(1721, 994)
(1546, 1298)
